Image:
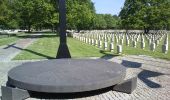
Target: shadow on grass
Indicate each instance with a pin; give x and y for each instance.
(11, 45)
(107, 56)
(27, 50)
(144, 74)
(44, 32)
(37, 36)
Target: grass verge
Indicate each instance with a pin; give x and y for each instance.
(8, 40)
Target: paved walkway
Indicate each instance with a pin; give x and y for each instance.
(153, 78)
(8, 52)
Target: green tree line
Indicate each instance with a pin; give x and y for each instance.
(81, 15)
(145, 14)
(40, 14)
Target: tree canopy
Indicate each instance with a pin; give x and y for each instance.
(145, 14)
(5, 13)
(38, 14)
(81, 15)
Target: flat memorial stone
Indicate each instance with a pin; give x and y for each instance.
(66, 75)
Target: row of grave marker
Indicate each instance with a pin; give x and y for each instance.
(106, 40)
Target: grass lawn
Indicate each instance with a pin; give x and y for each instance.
(46, 47)
(7, 40)
(129, 50)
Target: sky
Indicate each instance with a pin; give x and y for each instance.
(108, 6)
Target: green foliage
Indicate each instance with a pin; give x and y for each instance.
(39, 14)
(145, 14)
(105, 21)
(35, 13)
(2, 12)
(111, 21)
(6, 19)
(80, 14)
(100, 22)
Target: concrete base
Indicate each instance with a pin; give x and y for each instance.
(9, 93)
(127, 86)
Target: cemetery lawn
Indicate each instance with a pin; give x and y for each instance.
(129, 50)
(7, 40)
(47, 47)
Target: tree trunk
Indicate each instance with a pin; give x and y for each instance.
(40, 27)
(52, 28)
(78, 30)
(146, 30)
(29, 28)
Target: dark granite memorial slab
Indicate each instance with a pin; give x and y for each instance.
(66, 75)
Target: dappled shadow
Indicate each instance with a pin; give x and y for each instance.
(33, 52)
(131, 64)
(107, 56)
(69, 95)
(145, 74)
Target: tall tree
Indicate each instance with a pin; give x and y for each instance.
(4, 13)
(100, 22)
(80, 14)
(145, 14)
(111, 21)
(35, 13)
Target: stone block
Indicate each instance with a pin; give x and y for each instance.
(165, 48)
(106, 45)
(134, 44)
(119, 49)
(143, 45)
(152, 46)
(112, 46)
(127, 86)
(127, 42)
(9, 93)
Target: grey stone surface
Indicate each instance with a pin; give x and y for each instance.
(119, 49)
(153, 81)
(14, 93)
(142, 45)
(66, 75)
(126, 86)
(165, 48)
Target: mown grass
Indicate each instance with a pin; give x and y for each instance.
(129, 50)
(7, 40)
(46, 48)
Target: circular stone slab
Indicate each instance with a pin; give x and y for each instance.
(66, 75)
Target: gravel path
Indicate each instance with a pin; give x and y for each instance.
(153, 78)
